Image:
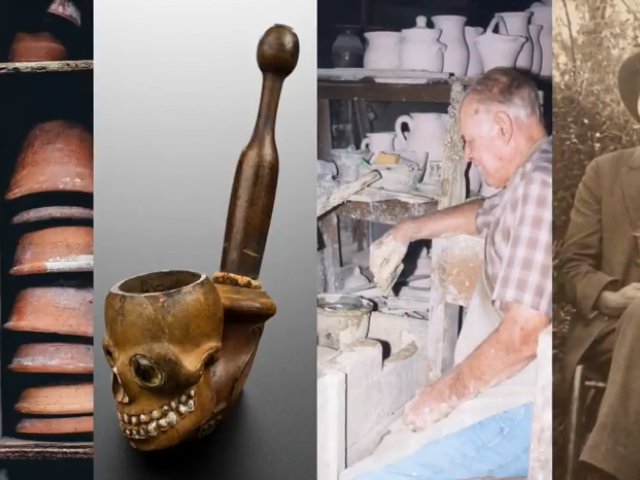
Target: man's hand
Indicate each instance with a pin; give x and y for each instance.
(427, 407)
(615, 303)
(395, 240)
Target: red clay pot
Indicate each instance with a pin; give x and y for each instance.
(75, 399)
(64, 310)
(54, 249)
(55, 426)
(36, 47)
(53, 358)
(56, 156)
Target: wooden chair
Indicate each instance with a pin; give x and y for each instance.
(586, 394)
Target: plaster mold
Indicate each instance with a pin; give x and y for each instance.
(382, 373)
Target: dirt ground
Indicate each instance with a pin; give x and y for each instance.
(591, 38)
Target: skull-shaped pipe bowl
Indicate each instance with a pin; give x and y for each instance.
(180, 346)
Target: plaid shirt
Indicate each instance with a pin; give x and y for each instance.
(516, 223)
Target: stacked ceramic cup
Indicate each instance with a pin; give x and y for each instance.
(47, 241)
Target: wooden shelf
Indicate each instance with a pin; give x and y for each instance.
(18, 449)
(388, 212)
(368, 89)
(42, 67)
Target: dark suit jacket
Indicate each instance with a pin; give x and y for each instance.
(600, 249)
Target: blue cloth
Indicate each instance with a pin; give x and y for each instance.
(497, 446)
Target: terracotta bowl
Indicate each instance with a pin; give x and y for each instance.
(57, 156)
(74, 399)
(64, 310)
(36, 47)
(54, 249)
(53, 358)
(55, 426)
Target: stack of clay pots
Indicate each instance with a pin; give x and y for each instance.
(49, 241)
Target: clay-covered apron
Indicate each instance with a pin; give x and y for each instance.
(481, 319)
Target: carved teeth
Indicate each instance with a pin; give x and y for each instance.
(150, 424)
(172, 419)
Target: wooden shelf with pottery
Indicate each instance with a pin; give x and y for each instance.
(18, 449)
(46, 342)
(386, 86)
(43, 67)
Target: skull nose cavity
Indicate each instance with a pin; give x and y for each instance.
(149, 424)
(118, 389)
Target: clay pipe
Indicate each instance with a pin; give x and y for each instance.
(256, 177)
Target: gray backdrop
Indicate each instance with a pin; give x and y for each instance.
(176, 95)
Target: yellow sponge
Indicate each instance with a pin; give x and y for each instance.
(386, 159)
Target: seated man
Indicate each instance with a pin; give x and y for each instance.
(475, 421)
(600, 262)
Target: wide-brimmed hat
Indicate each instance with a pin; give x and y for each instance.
(629, 83)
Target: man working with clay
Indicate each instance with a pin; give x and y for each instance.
(475, 421)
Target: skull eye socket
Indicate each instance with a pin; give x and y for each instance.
(109, 355)
(146, 371)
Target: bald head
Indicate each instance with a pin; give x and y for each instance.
(500, 119)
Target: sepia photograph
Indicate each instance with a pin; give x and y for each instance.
(596, 228)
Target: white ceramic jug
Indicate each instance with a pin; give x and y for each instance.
(475, 64)
(456, 57)
(427, 132)
(542, 15)
(536, 62)
(387, 142)
(420, 48)
(498, 50)
(517, 23)
(382, 51)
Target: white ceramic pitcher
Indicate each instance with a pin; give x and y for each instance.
(517, 23)
(536, 62)
(542, 15)
(456, 57)
(427, 132)
(475, 63)
(387, 142)
(498, 50)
